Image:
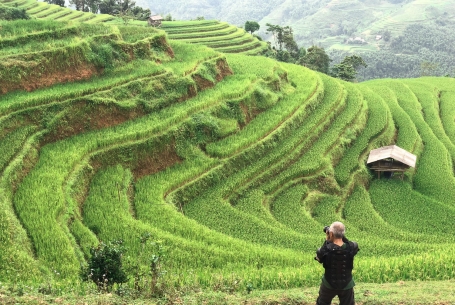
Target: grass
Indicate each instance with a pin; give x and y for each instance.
(397, 293)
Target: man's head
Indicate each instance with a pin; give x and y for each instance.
(337, 229)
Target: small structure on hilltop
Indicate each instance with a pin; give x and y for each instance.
(357, 40)
(155, 20)
(390, 159)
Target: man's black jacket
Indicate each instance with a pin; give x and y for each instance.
(338, 262)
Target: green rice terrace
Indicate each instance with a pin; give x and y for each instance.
(45, 11)
(234, 163)
(220, 36)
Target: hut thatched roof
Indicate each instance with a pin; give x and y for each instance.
(156, 18)
(392, 151)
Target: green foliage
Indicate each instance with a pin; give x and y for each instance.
(316, 59)
(420, 50)
(348, 68)
(252, 26)
(344, 72)
(126, 16)
(105, 265)
(103, 55)
(283, 37)
(58, 2)
(12, 13)
(126, 10)
(355, 61)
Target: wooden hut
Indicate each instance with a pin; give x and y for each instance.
(155, 20)
(390, 159)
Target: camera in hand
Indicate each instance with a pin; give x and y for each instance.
(326, 230)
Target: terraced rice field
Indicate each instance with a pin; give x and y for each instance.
(418, 12)
(220, 36)
(46, 11)
(234, 163)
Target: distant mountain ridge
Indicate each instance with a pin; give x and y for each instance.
(397, 38)
(327, 22)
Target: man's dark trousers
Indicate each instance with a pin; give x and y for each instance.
(326, 296)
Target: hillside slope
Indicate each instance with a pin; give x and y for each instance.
(220, 36)
(397, 39)
(45, 11)
(394, 37)
(315, 20)
(234, 163)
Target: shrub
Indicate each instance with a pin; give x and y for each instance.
(12, 13)
(105, 265)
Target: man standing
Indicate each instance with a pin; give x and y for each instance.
(337, 256)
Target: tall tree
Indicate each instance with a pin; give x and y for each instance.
(289, 42)
(120, 7)
(355, 61)
(348, 68)
(344, 72)
(80, 5)
(287, 49)
(252, 26)
(110, 7)
(143, 14)
(58, 2)
(93, 5)
(316, 59)
(277, 34)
